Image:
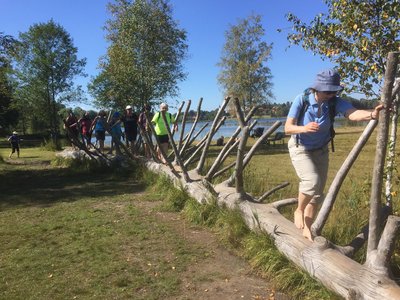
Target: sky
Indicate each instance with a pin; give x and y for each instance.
(205, 21)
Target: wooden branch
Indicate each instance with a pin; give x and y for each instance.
(250, 154)
(223, 154)
(271, 191)
(193, 139)
(337, 182)
(188, 141)
(149, 142)
(207, 138)
(239, 113)
(226, 154)
(184, 123)
(379, 259)
(178, 113)
(390, 162)
(285, 202)
(171, 141)
(357, 243)
(202, 160)
(239, 160)
(381, 146)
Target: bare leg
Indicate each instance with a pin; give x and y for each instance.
(164, 147)
(309, 214)
(303, 200)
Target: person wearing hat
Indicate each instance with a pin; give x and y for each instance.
(310, 130)
(14, 140)
(130, 120)
(161, 130)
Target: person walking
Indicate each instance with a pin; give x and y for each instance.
(130, 120)
(161, 130)
(310, 124)
(85, 123)
(14, 141)
(70, 125)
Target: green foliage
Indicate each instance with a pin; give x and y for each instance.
(355, 35)
(51, 145)
(46, 64)
(144, 60)
(244, 72)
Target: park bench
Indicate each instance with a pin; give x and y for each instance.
(257, 132)
(278, 137)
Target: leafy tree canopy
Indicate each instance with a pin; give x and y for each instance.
(46, 64)
(244, 71)
(144, 61)
(355, 35)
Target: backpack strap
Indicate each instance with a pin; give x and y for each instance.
(305, 105)
(332, 114)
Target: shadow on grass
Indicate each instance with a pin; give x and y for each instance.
(45, 187)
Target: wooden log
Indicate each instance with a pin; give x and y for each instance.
(380, 258)
(182, 151)
(188, 140)
(222, 155)
(337, 272)
(380, 154)
(271, 191)
(183, 124)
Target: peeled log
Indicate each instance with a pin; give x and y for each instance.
(337, 272)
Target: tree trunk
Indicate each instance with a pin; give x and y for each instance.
(380, 154)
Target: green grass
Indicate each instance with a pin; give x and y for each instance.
(84, 234)
(79, 231)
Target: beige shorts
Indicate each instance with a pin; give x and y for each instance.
(311, 167)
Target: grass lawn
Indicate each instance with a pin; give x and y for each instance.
(81, 235)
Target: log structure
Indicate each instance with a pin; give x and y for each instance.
(331, 264)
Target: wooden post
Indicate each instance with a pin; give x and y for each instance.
(380, 154)
(183, 124)
(189, 136)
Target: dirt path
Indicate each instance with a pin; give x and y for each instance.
(220, 275)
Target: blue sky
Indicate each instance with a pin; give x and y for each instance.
(205, 21)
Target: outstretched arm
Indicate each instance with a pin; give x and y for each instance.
(362, 114)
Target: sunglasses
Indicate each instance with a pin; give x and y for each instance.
(329, 93)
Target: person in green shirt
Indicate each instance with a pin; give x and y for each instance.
(161, 130)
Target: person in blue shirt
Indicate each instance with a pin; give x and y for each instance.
(99, 125)
(116, 133)
(310, 136)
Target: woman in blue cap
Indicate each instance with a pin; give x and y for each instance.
(309, 122)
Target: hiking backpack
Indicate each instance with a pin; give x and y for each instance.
(332, 113)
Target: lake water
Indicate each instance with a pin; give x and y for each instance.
(225, 130)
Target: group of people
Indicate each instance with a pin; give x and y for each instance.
(131, 123)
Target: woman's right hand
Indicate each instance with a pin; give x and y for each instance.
(311, 127)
